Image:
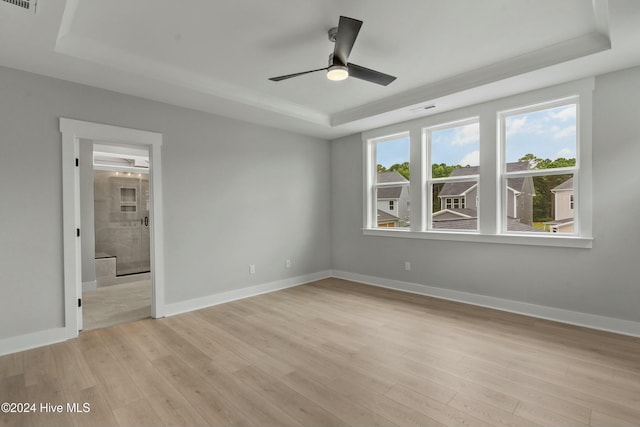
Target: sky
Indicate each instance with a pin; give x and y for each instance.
(548, 134)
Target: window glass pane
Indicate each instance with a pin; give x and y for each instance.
(540, 204)
(545, 138)
(392, 166)
(455, 205)
(454, 147)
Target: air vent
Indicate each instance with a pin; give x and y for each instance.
(25, 4)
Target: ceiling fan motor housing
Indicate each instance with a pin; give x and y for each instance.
(333, 34)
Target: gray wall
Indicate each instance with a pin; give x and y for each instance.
(234, 194)
(602, 280)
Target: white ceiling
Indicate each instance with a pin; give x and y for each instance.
(216, 56)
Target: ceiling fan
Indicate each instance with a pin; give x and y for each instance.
(344, 36)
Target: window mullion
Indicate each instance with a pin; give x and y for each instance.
(417, 177)
(488, 182)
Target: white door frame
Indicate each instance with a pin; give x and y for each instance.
(72, 132)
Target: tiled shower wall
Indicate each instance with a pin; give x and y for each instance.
(120, 227)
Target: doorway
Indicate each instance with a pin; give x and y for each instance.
(76, 134)
(115, 211)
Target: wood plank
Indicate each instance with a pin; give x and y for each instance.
(13, 390)
(600, 419)
(168, 403)
(100, 413)
(305, 411)
(11, 365)
(337, 404)
(207, 400)
(544, 416)
(468, 403)
(110, 374)
(440, 412)
(137, 413)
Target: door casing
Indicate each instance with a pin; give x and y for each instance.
(73, 132)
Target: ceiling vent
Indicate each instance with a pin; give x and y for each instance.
(25, 4)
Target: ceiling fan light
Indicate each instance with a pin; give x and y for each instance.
(337, 73)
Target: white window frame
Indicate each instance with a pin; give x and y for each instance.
(371, 199)
(490, 188)
(575, 170)
(430, 181)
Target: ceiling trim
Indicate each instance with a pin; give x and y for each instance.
(107, 56)
(177, 77)
(552, 55)
(91, 50)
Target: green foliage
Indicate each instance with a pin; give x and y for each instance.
(442, 170)
(543, 203)
(401, 168)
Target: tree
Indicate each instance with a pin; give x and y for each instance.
(401, 168)
(442, 170)
(543, 203)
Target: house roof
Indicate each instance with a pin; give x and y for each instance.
(515, 225)
(457, 213)
(461, 223)
(567, 185)
(389, 192)
(456, 224)
(384, 216)
(390, 176)
(517, 183)
(456, 189)
(459, 188)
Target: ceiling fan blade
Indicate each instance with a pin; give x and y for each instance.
(348, 29)
(288, 76)
(369, 75)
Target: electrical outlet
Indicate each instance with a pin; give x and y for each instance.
(407, 266)
(252, 269)
(288, 263)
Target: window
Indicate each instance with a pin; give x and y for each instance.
(539, 167)
(454, 203)
(534, 151)
(389, 204)
(453, 151)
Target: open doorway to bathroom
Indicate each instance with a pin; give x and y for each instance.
(115, 211)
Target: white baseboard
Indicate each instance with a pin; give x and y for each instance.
(89, 286)
(32, 340)
(236, 294)
(609, 324)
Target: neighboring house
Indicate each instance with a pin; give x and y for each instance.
(563, 208)
(393, 202)
(459, 201)
(386, 220)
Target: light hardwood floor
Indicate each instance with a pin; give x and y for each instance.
(333, 353)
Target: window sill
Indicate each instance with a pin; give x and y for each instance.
(510, 239)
